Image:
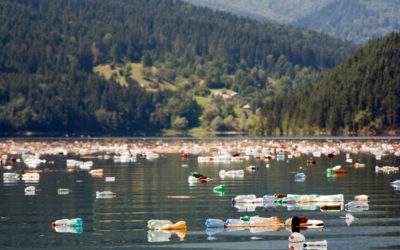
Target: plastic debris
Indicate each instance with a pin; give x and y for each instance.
(105, 195)
(356, 206)
(30, 190)
(110, 179)
(297, 238)
(63, 191)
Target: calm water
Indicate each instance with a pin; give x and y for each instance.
(142, 194)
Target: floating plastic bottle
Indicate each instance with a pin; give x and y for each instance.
(196, 174)
(300, 177)
(269, 199)
(110, 179)
(63, 191)
(214, 223)
(77, 222)
(263, 221)
(31, 177)
(10, 177)
(105, 195)
(68, 229)
(192, 179)
(180, 225)
(220, 188)
(296, 238)
(248, 198)
(247, 217)
(322, 243)
(356, 206)
(232, 223)
(30, 190)
(157, 224)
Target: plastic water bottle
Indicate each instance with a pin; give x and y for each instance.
(244, 198)
(269, 198)
(235, 222)
(77, 222)
(105, 195)
(322, 243)
(300, 177)
(157, 224)
(220, 188)
(196, 174)
(356, 206)
(213, 223)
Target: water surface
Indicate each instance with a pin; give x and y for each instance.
(143, 191)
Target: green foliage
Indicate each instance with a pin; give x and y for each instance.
(360, 95)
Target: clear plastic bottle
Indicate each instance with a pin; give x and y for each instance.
(77, 222)
(213, 223)
(244, 198)
(322, 243)
(105, 195)
(157, 224)
(236, 223)
(269, 198)
(263, 221)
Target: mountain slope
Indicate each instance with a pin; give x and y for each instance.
(361, 95)
(355, 20)
(50, 50)
(358, 21)
(280, 11)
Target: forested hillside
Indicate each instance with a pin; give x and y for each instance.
(358, 21)
(354, 20)
(280, 11)
(54, 54)
(360, 96)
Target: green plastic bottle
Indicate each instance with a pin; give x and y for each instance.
(247, 217)
(220, 188)
(196, 174)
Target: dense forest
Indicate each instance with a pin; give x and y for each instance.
(359, 96)
(49, 50)
(355, 20)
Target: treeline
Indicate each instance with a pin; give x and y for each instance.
(360, 96)
(49, 48)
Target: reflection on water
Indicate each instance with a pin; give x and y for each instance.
(115, 210)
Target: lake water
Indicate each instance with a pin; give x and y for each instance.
(143, 190)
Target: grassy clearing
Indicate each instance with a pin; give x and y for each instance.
(203, 101)
(150, 84)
